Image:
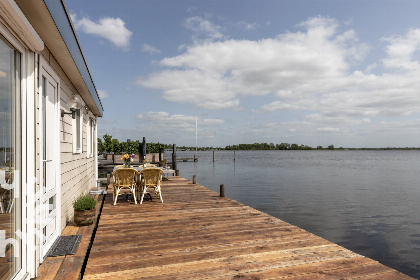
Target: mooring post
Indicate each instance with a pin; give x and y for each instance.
(108, 180)
(174, 157)
(222, 190)
(194, 179)
(160, 153)
(234, 156)
(213, 155)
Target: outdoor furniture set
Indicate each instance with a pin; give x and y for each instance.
(139, 181)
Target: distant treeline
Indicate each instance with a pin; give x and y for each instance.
(272, 146)
(287, 146)
(110, 145)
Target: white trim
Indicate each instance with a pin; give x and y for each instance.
(90, 136)
(44, 68)
(11, 38)
(23, 116)
(31, 162)
(77, 134)
(20, 24)
(95, 149)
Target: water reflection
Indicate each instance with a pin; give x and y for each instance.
(366, 201)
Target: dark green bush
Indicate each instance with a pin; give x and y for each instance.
(84, 202)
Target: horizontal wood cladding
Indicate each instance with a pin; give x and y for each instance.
(78, 173)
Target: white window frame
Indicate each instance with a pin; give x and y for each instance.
(19, 180)
(44, 67)
(90, 136)
(77, 126)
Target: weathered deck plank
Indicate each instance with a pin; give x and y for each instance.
(196, 234)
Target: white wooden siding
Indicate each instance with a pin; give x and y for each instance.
(77, 171)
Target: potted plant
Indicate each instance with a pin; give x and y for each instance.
(84, 210)
(163, 162)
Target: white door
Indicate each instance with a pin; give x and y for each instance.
(49, 181)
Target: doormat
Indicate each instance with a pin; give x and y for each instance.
(65, 245)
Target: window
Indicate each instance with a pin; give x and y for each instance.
(78, 132)
(10, 159)
(90, 138)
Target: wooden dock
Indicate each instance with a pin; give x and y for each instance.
(195, 234)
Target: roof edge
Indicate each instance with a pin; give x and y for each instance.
(61, 17)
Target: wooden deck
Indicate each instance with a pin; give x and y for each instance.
(69, 267)
(195, 234)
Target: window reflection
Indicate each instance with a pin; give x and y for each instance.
(10, 187)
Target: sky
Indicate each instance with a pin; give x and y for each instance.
(312, 72)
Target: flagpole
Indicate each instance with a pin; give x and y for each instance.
(196, 136)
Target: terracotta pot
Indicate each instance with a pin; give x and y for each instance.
(85, 217)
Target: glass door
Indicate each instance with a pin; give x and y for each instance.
(49, 162)
(10, 161)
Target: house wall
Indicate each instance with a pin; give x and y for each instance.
(78, 171)
(27, 27)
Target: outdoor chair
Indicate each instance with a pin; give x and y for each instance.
(151, 178)
(124, 178)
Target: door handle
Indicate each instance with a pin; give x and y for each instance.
(47, 160)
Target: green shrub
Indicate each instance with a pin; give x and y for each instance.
(84, 202)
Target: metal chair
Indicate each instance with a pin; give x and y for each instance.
(124, 178)
(151, 178)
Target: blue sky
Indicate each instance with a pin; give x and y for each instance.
(308, 72)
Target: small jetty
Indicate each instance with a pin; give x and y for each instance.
(187, 159)
(196, 234)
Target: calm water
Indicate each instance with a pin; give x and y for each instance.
(366, 201)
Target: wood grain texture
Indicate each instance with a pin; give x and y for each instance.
(196, 234)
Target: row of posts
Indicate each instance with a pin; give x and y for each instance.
(222, 186)
(194, 179)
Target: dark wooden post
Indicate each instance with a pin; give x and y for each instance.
(222, 190)
(160, 153)
(141, 156)
(234, 156)
(213, 155)
(194, 179)
(142, 150)
(174, 157)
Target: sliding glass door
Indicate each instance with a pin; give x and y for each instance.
(10, 157)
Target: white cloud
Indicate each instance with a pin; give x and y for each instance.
(247, 26)
(215, 75)
(150, 49)
(203, 29)
(328, 129)
(103, 94)
(109, 28)
(177, 120)
(401, 50)
(177, 127)
(313, 71)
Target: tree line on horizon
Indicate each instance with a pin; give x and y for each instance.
(110, 145)
(272, 146)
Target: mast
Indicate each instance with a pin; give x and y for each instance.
(196, 136)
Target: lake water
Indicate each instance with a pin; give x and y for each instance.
(366, 201)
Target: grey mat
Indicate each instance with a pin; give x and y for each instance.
(65, 245)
